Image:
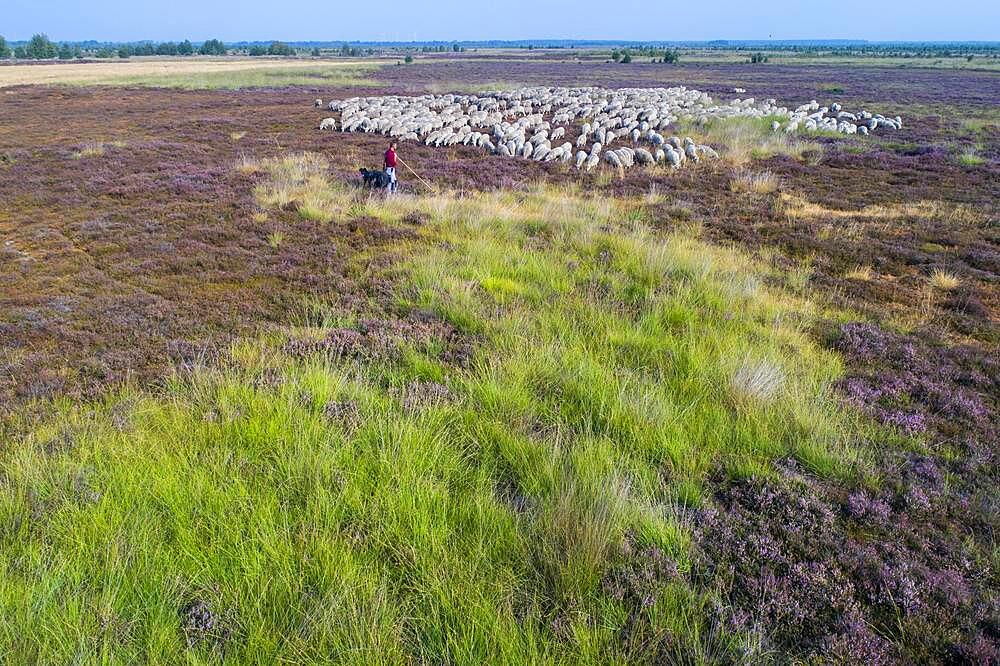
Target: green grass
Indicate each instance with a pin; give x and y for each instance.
(970, 159)
(339, 75)
(617, 372)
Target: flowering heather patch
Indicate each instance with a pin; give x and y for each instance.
(910, 385)
(119, 266)
(381, 338)
(203, 626)
(790, 83)
(419, 394)
(786, 565)
(344, 412)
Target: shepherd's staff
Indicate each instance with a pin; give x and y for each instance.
(428, 185)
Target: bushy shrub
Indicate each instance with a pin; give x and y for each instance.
(5, 51)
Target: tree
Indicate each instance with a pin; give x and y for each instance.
(454, 47)
(185, 48)
(616, 56)
(41, 48)
(671, 56)
(257, 50)
(20, 53)
(408, 59)
(4, 49)
(315, 52)
(279, 49)
(124, 52)
(212, 47)
(65, 52)
(627, 58)
(166, 48)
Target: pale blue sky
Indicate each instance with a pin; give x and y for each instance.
(500, 19)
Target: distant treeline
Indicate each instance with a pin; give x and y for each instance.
(40, 47)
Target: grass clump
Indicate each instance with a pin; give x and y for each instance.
(969, 158)
(315, 507)
(861, 273)
(297, 181)
(749, 182)
(944, 281)
(96, 149)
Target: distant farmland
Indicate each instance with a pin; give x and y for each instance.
(190, 72)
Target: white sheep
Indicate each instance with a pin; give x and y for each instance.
(643, 157)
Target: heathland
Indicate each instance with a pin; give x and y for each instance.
(741, 412)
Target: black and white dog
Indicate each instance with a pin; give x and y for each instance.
(376, 180)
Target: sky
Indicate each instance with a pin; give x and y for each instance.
(418, 20)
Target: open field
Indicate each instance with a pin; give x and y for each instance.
(191, 73)
(741, 412)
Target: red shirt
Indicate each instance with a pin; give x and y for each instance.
(390, 159)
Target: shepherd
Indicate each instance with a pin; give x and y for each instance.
(390, 166)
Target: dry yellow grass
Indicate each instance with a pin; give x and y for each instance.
(153, 70)
(797, 207)
(944, 281)
(748, 182)
(860, 273)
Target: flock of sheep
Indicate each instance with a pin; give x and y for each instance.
(532, 123)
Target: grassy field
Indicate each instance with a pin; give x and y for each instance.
(228, 73)
(383, 492)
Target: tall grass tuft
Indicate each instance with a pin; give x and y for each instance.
(749, 182)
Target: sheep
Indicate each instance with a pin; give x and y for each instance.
(318, 103)
(500, 121)
(581, 157)
(708, 151)
(643, 157)
(540, 152)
